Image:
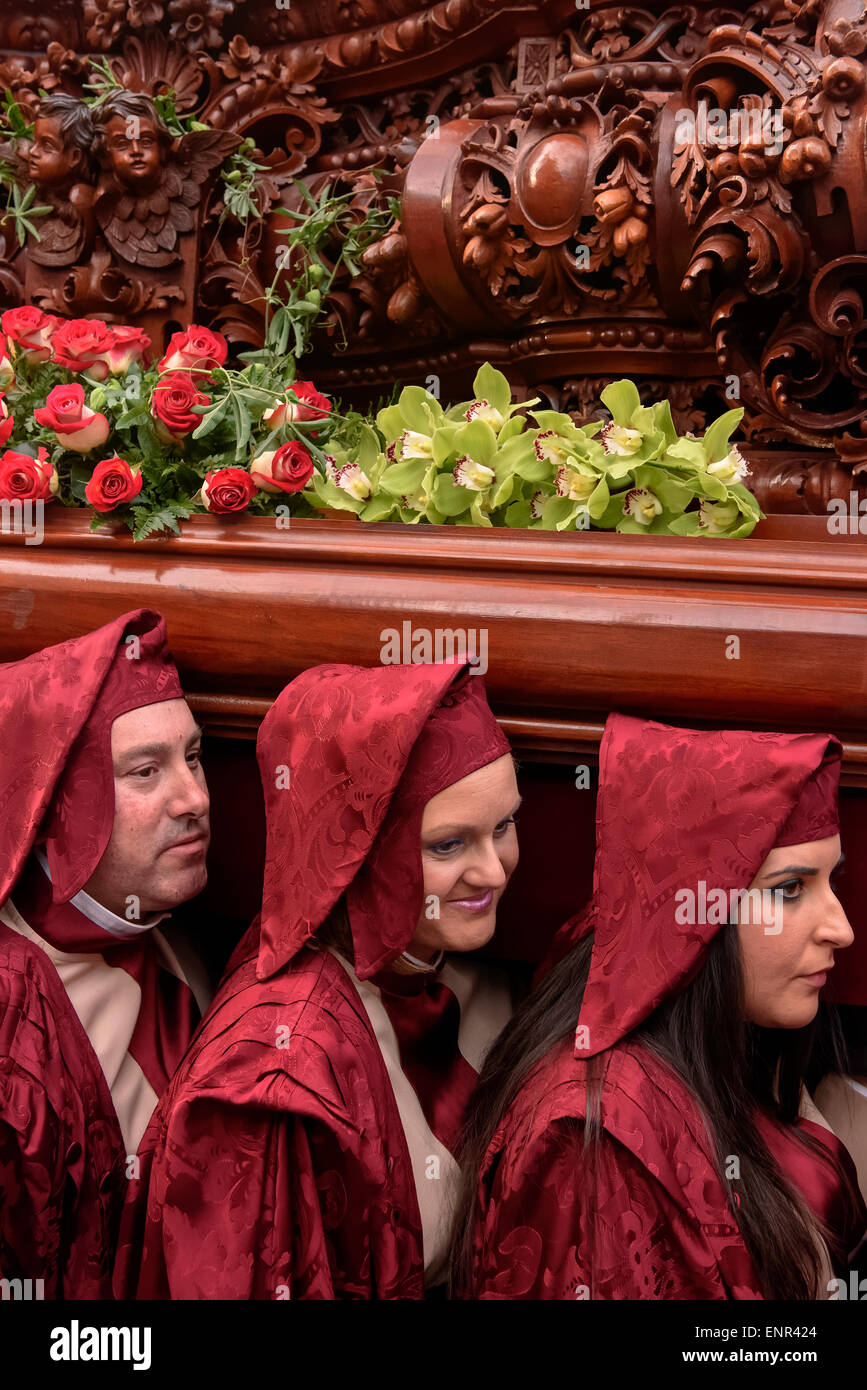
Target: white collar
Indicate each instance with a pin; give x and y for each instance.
(102, 916)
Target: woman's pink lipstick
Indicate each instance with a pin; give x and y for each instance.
(817, 981)
(479, 904)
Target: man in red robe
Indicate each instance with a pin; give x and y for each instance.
(103, 830)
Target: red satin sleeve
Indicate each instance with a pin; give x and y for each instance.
(243, 1203)
(548, 1233)
(31, 1180)
(59, 1151)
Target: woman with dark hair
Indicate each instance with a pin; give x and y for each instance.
(662, 1150)
(306, 1145)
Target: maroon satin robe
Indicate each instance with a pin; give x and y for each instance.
(61, 1151)
(649, 1217)
(276, 1165)
(655, 1220)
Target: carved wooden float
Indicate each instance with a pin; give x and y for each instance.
(576, 624)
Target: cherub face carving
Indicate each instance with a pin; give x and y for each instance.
(133, 147)
(53, 161)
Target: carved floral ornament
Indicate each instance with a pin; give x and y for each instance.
(735, 202)
(680, 188)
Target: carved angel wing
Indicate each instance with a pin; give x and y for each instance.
(200, 151)
(144, 230)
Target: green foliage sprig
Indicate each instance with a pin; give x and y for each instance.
(13, 122)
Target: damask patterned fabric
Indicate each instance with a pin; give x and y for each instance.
(275, 1165)
(349, 757)
(61, 1151)
(678, 807)
(652, 1219)
(56, 711)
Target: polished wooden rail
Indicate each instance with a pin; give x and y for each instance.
(770, 632)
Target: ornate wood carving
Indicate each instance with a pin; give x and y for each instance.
(573, 208)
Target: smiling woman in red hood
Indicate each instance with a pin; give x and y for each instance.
(660, 1149)
(305, 1148)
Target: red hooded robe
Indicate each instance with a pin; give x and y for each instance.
(62, 1154)
(654, 1221)
(278, 1165)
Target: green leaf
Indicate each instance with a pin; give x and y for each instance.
(243, 425)
(212, 419)
(79, 477)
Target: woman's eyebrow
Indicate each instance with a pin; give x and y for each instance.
(443, 831)
(792, 869)
(802, 869)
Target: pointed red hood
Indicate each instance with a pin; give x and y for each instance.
(678, 807)
(56, 773)
(349, 757)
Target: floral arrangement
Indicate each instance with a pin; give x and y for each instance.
(86, 419)
(481, 463)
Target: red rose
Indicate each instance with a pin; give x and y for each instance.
(7, 423)
(79, 345)
(111, 484)
(75, 424)
(287, 469)
(227, 490)
(312, 405)
(128, 345)
(23, 478)
(195, 350)
(171, 405)
(30, 330)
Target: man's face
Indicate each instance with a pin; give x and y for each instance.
(133, 147)
(51, 162)
(161, 799)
